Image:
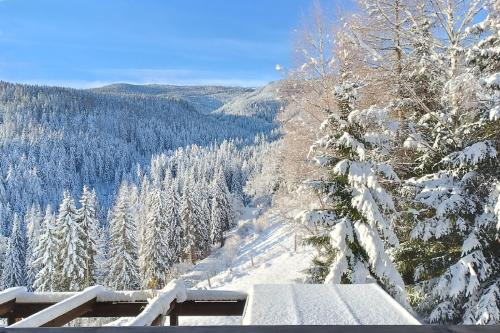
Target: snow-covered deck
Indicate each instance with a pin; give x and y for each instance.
(265, 304)
(307, 304)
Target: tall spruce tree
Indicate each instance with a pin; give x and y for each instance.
(203, 216)
(33, 221)
(354, 215)
(455, 222)
(71, 246)
(156, 255)
(14, 269)
(173, 223)
(123, 264)
(47, 255)
(103, 245)
(187, 216)
(220, 208)
(86, 217)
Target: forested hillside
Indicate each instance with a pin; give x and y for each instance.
(260, 103)
(205, 99)
(81, 167)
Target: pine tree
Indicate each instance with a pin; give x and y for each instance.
(103, 245)
(195, 208)
(123, 256)
(86, 217)
(355, 231)
(33, 221)
(218, 220)
(3, 209)
(14, 269)
(220, 208)
(202, 211)
(174, 224)
(142, 215)
(72, 246)
(455, 222)
(47, 255)
(4, 242)
(156, 256)
(188, 232)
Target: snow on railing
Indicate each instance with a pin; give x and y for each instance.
(59, 309)
(104, 296)
(23, 296)
(10, 294)
(45, 297)
(159, 305)
(215, 295)
(64, 303)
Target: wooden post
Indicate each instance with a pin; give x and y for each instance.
(208, 279)
(174, 320)
(172, 314)
(159, 321)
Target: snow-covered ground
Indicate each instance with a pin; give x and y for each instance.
(260, 250)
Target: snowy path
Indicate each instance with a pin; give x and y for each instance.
(231, 268)
(271, 251)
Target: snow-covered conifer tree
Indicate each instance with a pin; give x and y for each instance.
(188, 232)
(3, 209)
(220, 208)
(72, 245)
(33, 221)
(156, 255)
(203, 216)
(455, 220)
(47, 255)
(222, 214)
(14, 268)
(173, 223)
(353, 218)
(103, 244)
(86, 217)
(122, 265)
(218, 218)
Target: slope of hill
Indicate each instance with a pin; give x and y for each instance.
(205, 99)
(261, 249)
(261, 103)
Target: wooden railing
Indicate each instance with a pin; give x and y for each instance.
(26, 310)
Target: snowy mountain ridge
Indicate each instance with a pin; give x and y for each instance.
(205, 99)
(262, 103)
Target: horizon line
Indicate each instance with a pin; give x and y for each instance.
(89, 84)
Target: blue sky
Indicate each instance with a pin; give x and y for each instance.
(82, 43)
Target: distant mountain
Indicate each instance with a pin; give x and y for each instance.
(260, 103)
(204, 99)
